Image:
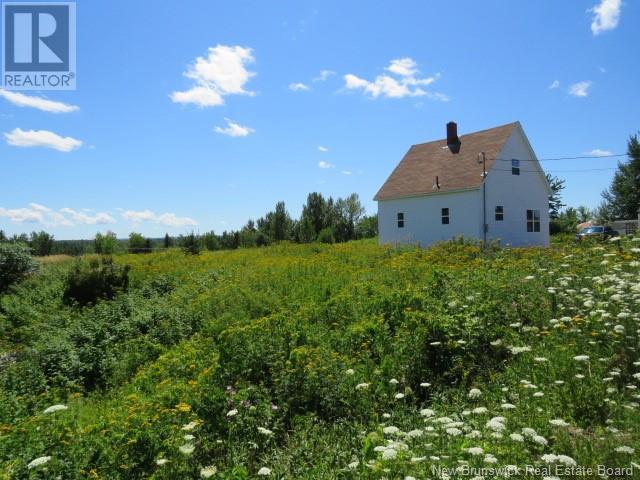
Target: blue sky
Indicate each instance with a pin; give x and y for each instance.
(135, 147)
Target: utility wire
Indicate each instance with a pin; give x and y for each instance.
(560, 158)
(554, 170)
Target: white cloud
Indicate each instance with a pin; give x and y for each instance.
(172, 220)
(143, 215)
(406, 82)
(39, 208)
(298, 87)
(323, 164)
(405, 67)
(580, 89)
(201, 96)
(22, 100)
(233, 129)
(41, 138)
(324, 75)
(22, 215)
(323, 149)
(223, 72)
(167, 219)
(347, 172)
(554, 84)
(597, 152)
(100, 218)
(65, 217)
(606, 16)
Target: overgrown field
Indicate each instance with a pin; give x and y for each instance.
(317, 361)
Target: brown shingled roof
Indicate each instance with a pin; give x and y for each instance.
(417, 171)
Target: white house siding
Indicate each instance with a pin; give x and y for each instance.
(422, 218)
(517, 194)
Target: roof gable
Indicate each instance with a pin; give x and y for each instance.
(417, 171)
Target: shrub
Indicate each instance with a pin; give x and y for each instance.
(15, 263)
(86, 283)
(326, 235)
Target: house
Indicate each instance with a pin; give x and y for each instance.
(438, 191)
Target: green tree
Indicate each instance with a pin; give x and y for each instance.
(367, 227)
(168, 241)
(313, 215)
(106, 244)
(622, 198)
(281, 223)
(41, 243)
(191, 244)
(555, 197)
(348, 213)
(210, 241)
(137, 243)
(584, 214)
(22, 238)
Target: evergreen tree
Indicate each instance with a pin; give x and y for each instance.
(622, 199)
(555, 197)
(168, 241)
(190, 244)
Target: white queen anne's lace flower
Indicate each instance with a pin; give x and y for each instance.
(625, 449)
(207, 472)
(55, 408)
(187, 449)
(475, 393)
(37, 462)
(475, 451)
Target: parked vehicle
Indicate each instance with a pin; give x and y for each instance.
(596, 232)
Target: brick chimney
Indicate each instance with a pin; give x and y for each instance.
(453, 141)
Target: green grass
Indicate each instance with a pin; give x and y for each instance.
(302, 358)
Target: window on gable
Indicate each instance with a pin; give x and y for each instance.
(533, 220)
(499, 213)
(445, 216)
(515, 167)
(400, 220)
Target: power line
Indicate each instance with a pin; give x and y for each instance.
(581, 157)
(554, 170)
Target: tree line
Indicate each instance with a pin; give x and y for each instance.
(323, 219)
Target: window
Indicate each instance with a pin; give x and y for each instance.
(400, 220)
(499, 213)
(533, 220)
(515, 167)
(445, 216)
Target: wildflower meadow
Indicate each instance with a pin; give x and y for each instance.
(328, 361)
